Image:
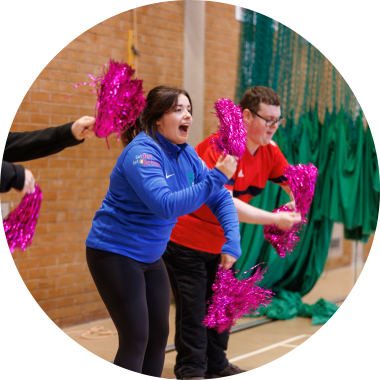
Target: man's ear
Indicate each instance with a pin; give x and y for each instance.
(247, 114)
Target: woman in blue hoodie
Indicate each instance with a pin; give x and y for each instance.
(157, 178)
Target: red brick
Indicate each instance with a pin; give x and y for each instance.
(39, 294)
(60, 98)
(76, 247)
(49, 86)
(47, 283)
(63, 54)
(103, 51)
(56, 163)
(66, 216)
(67, 195)
(60, 120)
(73, 310)
(30, 107)
(49, 195)
(77, 56)
(57, 249)
(66, 259)
(56, 292)
(56, 313)
(47, 304)
(37, 273)
(83, 277)
(59, 76)
(53, 64)
(65, 301)
(58, 184)
(31, 284)
(74, 289)
(65, 280)
(56, 271)
(67, 173)
(38, 251)
(75, 226)
(68, 66)
(27, 263)
(48, 173)
(77, 164)
(66, 238)
(21, 117)
(83, 298)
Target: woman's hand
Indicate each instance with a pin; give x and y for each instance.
(227, 261)
(286, 220)
(227, 165)
(83, 128)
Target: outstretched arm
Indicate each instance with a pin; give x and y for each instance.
(253, 215)
(25, 146)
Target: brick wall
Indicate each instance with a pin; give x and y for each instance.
(75, 181)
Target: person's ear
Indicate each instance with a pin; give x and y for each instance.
(247, 115)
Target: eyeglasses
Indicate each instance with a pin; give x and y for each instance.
(270, 123)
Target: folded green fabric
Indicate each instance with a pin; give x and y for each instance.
(287, 305)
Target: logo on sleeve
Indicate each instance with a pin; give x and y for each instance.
(241, 173)
(190, 176)
(146, 160)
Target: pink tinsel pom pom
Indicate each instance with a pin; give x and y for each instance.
(120, 99)
(20, 224)
(232, 134)
(302, 180)
(232, 298)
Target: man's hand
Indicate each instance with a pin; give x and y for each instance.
(227, 261)
(28, 183)
(285, 220)
(83, 128)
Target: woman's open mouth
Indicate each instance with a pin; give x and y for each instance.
(183, 128)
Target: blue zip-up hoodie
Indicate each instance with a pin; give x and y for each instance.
(150, 186)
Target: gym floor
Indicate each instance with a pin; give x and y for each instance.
(249, 348)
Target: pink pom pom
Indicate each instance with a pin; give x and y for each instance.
(302, 180)
(20, 224)
(120, 99)
(232, 298)
(232, 134)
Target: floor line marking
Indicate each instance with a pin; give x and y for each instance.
(271, 347)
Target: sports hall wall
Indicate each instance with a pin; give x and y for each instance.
(75, 181)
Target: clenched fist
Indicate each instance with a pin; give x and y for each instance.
(227, 165)
(83, 128)
(286, 220)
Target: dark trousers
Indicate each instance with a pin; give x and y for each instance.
(137, 296)
(200, 350)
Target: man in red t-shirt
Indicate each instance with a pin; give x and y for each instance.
(194, 251)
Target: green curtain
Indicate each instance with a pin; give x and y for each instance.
(325, 127)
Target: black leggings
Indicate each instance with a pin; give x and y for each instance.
(137, 296)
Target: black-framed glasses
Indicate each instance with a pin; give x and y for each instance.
(270, 123)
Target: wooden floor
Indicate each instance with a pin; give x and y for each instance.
(248, 349)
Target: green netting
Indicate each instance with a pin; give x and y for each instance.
(273, 55)
(324, 126)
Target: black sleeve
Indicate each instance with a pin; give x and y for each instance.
(25, 146)
(11, 176)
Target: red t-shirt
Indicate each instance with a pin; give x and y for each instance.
(201, 230)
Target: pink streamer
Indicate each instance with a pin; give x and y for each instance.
(302, 179)
(232, 298)
(20, 224)
(232, 134)
(120, 99)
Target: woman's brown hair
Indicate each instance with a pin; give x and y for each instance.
(160, 100)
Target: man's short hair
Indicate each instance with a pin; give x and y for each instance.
(259, 94)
